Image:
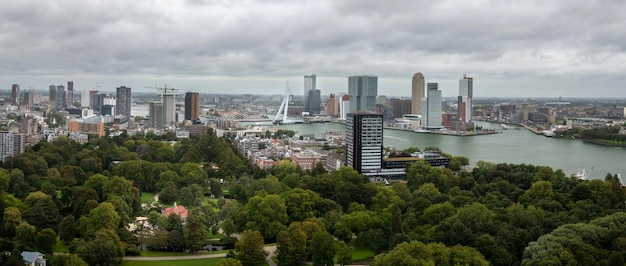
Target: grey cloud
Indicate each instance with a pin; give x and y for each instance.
(200, 39)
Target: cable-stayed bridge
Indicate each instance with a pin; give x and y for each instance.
(266, 109)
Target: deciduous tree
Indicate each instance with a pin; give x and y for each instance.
(249, 249)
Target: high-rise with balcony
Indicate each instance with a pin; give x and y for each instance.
(364, 142)
(418, 92)
(466, 91)
(123, 101)
(192, 106)
(309, 85)
(363, 91)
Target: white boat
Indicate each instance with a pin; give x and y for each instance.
(582, 174)
(548, 133)
(504, 126)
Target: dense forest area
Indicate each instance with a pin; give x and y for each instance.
(501, 214)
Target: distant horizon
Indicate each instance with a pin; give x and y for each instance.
(147, 91)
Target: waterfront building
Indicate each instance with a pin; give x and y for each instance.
(364, 142)
(123, 101)
(70, 94)
(192, 105)
(155, 115)
(363, 91)
(432, 109)
(401, 107)
(332, 105)
(11, 144)
(344, 106)
(309, 84)
(418, 93)
(466, 92)
(15, 94)
(315, 102)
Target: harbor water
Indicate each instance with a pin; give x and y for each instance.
(514, 145)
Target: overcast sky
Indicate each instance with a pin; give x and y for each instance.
(511, 48)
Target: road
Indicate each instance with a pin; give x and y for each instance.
(269, 249)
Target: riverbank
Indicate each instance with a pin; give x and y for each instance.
(531, 129)
(599, 142)
(448, 132)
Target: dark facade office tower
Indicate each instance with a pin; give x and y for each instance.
(192, 106)
(52, 94)
(309, 84)
(156, 115)
(364, 142)
(315, 102)
(70, 94)
(15, 94)
(122, 101)
(363, 91)
(61, 101)
(93, 99)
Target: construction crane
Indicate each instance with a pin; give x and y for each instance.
(164, 90)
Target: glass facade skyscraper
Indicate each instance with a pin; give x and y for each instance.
(363, 91)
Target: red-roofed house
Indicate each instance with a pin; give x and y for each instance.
(180, 210)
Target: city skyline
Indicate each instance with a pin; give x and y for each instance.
(511, 49)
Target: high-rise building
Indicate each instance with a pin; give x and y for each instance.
(70, 94)
(363, 91)
(418, 93)
(11, 144)
(332, 105)
(15, 94)
(192, 106)
(52, 94)
(168, 98)
(364, 142)
(401, 107)
(85, 99)
(156, 115)
(123, 101)
(309, 84)
(466, 91)
(315, 102)
(344, 106)
(61, 100)
(93, 99)
(431, 113)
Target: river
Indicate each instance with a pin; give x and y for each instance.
(511, 146)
